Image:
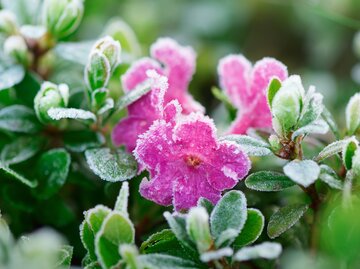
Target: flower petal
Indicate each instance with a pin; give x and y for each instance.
(155, 146)
(234, 74)
(158, 189)
(228, 165)
(189, 188)
(195, 133)
(126, 132)
(136, 74)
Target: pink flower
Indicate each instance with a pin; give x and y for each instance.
(177, 63)
(186, 161)
(246, 87)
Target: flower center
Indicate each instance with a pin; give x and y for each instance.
(192, 160)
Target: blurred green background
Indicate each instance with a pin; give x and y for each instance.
(314, 38)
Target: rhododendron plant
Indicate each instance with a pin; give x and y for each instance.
(108, 162)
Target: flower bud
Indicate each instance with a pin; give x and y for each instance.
(353, 114)
(62, 17)
(287, 104)
(8, 23)
(50, 96)
(274, 142)
(197, 226)
(15, 46)
(110, 48)
(97, 71)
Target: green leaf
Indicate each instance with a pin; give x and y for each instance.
(118, 166)
(329, 119)
(312, 107)
(133, 95)
(178, 227)
(115, 230)
(65, 254)
(352, 114)
(252, 146)
(91, 226)
(284, 219)
(274, 87)
(11, 76)
(52, 170)
(97, 71)
(161, 261)
(332, 149)
(329, 176)
(205, 203)
(348, 153)
(79, 141)
(218, 254)
(229, 214)
(268, 181)
(317, 127)
(221, 96)
(21, 149)
(303, 173)
(11, 173)
(164, 242)
(71, 113)
(121, 204)
(253, 228)
(129, 255)
(19, 119)
(266, 250)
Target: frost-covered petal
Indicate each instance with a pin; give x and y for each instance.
(126, 132)
(195, 133)
(234, 74)
(159, 189)
(172, 111)
(189, 188)
(228, 165)
(179, 67)
(155, 146)
(136, 74)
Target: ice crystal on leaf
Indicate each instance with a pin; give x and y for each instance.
(171, 60)
(246, 87)
(186, 161)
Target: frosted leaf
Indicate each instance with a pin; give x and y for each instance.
(216, 254)
(251, 146)
(329, 119)
(77, 52)
(33, 31)
(109, 104)
(162, 261)
(134, 95)
(317, 127)
(329, 176)
(266, 250)
(268, 181)
(11, 76)
(352, 114)
(71, 113)
(312, 107)
(121, 204)
(13, 174)
(284, 219)
(117, 166)
(332, 149)
(302, 172)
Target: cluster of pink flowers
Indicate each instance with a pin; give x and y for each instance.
(172, 138)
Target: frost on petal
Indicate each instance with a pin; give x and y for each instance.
(228, 165)
(172, 111)
(155, 145)
(159, 188)
(136, 74)
(234, 75)
(179, 67)
(189, 188)
(126, 132)
(195, 133)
